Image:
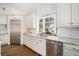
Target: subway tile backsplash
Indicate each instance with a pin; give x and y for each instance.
(72, 33)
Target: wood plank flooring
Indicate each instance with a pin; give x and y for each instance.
(17, 50)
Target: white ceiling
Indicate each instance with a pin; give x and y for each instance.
(30, 7)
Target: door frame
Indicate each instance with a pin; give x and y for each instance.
(20, 17)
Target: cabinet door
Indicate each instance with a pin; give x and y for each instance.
(25, 40)
(4, 39)
(75, 13)
(35, 45)
(42, 47)
(64, 14)
(32, 42)
(29, 41)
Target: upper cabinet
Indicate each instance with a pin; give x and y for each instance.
(3, 19)
(75, 14)
(63, 14)
(68, 15)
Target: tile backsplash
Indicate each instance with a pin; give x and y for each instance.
(69, 32)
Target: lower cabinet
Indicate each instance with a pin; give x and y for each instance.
(54, 48)
(44, 46)
(36, 44)
(4, 39)
(70, 49)
(41, 46)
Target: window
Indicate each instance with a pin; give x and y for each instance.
(47, 24)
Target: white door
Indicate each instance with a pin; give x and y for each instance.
(75, 13)
(64, 14)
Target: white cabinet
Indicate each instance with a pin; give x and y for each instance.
(28, 41)
(25, 40)
(4, 39)
(3, 19)
(70, 50)
(41, 46)
(63, 14)
(75, 13)
(68, 14)
(36, 44)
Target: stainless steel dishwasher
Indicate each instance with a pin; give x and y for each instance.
(54, 48)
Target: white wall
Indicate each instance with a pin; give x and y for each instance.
(29, 21)
(32, 20)
(46, 10)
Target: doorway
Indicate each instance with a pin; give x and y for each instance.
(15, 27)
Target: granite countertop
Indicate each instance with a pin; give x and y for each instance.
(59, 39)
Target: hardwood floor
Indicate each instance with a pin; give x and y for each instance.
(17, 50)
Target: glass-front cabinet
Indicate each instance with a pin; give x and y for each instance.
(47, 25)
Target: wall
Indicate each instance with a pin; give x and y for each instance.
(29, 21)
(32, 19)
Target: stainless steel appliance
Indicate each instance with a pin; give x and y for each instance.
(54, 48)
(15, 31)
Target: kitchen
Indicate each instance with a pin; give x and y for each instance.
(45, 29)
